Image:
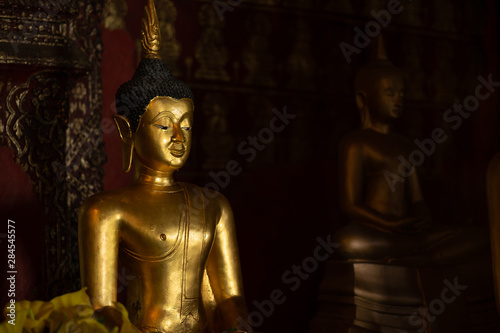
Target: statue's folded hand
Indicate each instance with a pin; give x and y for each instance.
(424, 223)
(412, 224)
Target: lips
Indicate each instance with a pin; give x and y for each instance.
(177, 152)
(177, 149)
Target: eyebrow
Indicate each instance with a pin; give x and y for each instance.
(170, 115)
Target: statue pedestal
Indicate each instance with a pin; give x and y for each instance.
(365, 297)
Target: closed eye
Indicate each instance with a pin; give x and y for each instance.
(163, 127)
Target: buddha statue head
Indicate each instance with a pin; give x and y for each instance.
(155, 110)
(379, 89)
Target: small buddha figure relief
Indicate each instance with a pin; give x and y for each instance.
(390, 221)
(211, 51)
(114, 14)
(171, 50)
(216, 138)
(176, 240)
(257, 58)
(301, 63)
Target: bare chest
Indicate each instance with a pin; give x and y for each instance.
(157, 226)
(385, 154)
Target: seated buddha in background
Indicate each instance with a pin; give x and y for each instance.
(389, 220)
(177, 241)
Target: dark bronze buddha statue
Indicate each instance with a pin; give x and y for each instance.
(393, 264)
(379, 188)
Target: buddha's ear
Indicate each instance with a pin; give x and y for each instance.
(363, 109)
(127, 138)
(360, 99)
(124, 128)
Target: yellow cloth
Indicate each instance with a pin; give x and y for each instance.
(71, 312)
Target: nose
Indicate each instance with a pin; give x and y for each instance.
(398, 100)
(177, 134)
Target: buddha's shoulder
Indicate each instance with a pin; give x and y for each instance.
(495, 161)
(108, 200)
(493, 173)
(356, 139)
(365, 136)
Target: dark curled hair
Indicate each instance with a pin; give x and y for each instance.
(151, 79)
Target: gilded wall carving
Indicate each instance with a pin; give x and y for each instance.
(216, 138)
(211, 50)
(36, 119)
(171, 50)
(257, 58)
(301, 63)
(52, 118)
(114, 13)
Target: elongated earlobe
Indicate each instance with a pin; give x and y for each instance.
(360, 99)
(126, 136)
(363, 109)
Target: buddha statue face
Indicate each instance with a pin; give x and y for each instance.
(385, 102)
(379, 94)
(163, 137)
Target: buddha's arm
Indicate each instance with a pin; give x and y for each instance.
(351, 157)
(98, 236)
(223, 269)
(493, 192)
(419, 208)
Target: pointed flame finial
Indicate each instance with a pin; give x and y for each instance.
(151, 36)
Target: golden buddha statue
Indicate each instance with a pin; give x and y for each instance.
(379, 188)
(176, 239)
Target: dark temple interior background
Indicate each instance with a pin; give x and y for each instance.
(61, 64)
